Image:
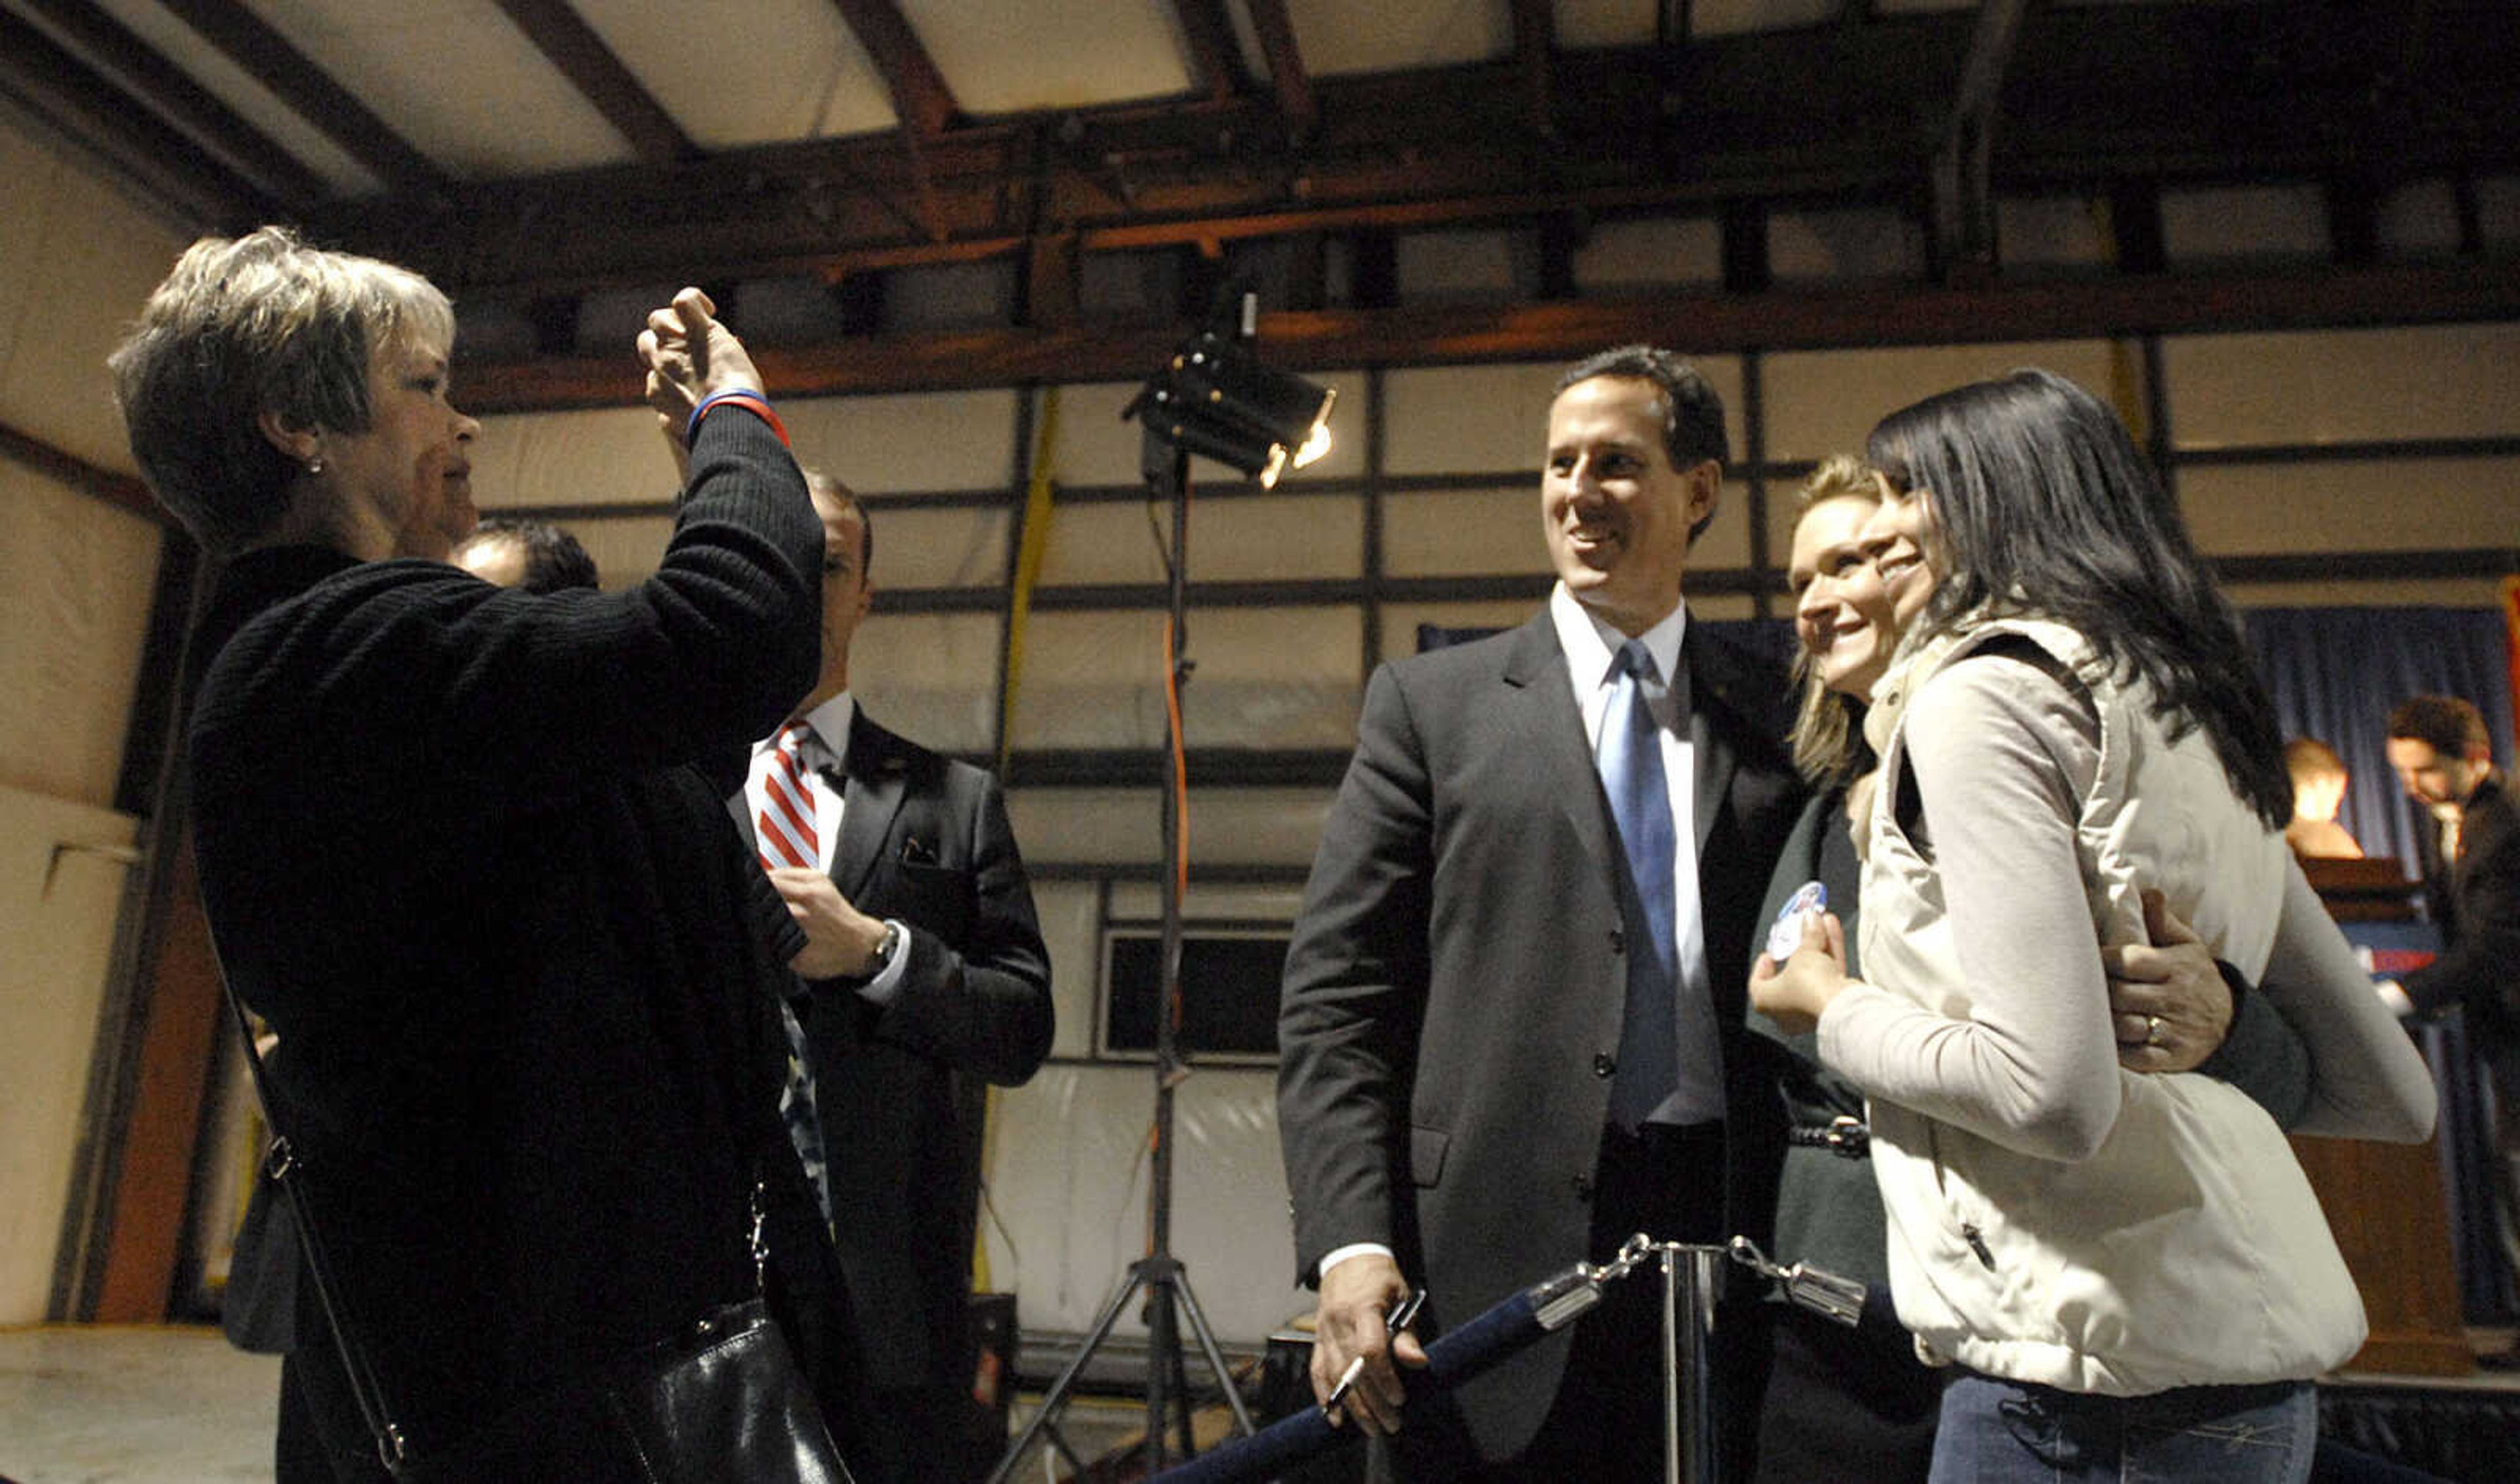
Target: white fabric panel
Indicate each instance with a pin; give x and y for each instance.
(1651, 252)
(1474, 263)
(955, 547)
(1727, 17)
(2343, 385)
(1071, 928)
(257, 105)
(57, 915)
(1141, 287)
(1092, 446)
(1068, 1177)
(1245, 538)
(77, 578)
(1400, 620)
(2245, 221)
(932, 677)
(1267, 678)
(1338, 38)
(2051, 231)
(1723, 605)
(1583, 25)
(1726, 542)
(923, 441)
(1144, 901)
(977, 295)
(2441, 592)
(2497, 209)
(2397, 505)
(816, 82)
(1468, 419)
(1495, 418)
(1120, 827)
(1854, 243)
(77, 260)
(2420, 219)
(488, 104)
(608, 456)
(1004, 58)
(1822, 402)
(1464, 532)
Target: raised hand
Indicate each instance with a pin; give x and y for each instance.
(691, 357)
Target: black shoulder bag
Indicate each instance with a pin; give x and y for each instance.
(721, 1401)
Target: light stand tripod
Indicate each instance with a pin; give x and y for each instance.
(1159, 1275)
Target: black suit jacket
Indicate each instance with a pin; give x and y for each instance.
(1455, 986)
(2479, 967)
(529, 1059)
(902, 1088)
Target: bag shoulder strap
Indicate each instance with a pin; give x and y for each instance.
(283, 1163)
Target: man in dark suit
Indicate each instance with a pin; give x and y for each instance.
(2468, 846)
(925, 980)
(1511, 1030)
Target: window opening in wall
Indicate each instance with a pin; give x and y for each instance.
(1229, 990)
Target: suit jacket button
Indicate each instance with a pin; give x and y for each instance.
(1583, 1186)
(1604, 1064)
(1618, 941)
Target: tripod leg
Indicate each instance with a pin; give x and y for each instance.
(1215, 1356)
(1057, 1396)
(1180, 1403)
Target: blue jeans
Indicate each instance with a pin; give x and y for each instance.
(2009, 1432)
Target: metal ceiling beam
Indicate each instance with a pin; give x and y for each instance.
(62, 94)
(1963, 195)
(1275, 30)
(572, 46)
(1535, 48)
(271, 60)
(120, 491)
(1702, 322)
(1216, 61)
(175, 97)
(2143, 94)
(920, 95)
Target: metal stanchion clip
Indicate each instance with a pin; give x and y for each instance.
(1814, 1288)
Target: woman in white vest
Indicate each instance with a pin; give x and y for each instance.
(2131, 1270)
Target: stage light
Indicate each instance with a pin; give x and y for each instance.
(1212, 398)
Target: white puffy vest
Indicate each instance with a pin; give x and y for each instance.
(2189, 1249)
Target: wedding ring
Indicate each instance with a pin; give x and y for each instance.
(2152, 1030)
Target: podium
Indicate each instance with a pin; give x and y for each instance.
(2386, 1202)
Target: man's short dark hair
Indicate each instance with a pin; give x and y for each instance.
(1692, 414)
(830, 489)
(553, 558)
(2450, 726)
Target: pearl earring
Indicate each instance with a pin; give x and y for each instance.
(315, 465)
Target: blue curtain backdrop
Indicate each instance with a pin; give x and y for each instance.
(2336, 674)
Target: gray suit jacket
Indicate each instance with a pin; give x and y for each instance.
(1455, 988)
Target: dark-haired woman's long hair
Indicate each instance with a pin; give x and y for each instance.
(2043, 507)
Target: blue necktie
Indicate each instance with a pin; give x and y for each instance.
(1631, 763)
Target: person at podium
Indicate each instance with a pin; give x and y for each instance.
(2318, 779)
(2469, 853)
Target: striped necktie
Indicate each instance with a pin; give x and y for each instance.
(786, 828)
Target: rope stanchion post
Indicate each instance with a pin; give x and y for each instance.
(1692, 1277)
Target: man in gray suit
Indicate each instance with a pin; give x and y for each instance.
(925, 980)
(1511, 1031)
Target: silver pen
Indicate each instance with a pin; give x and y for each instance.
(1402, 1313)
